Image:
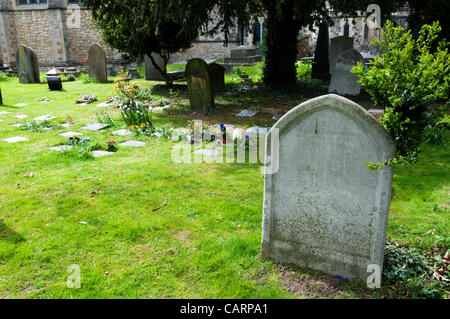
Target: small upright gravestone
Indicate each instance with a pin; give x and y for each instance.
(27, 65)
(216, 74)
(323, 208)
(321, 63)
(343, 81)
(339, 45)
(199, 85)
(97, 63)
(151, 73)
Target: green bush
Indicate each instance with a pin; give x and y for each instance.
(410, 76)
(303, 70)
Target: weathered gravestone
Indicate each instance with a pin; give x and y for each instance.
(343, 81)
(199, 85)
(339, 45)
(323, 208)
(27, 65)
(97, 63)
(321, 63)
(216, 74)
(151, 73)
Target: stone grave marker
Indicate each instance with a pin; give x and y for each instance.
(321, 63)
(343, 81)
(97, 63)
(132, 143)
(339, 45)
(248, 113)
(323, 208)
(61, 148)
(216, 74)
(151, 73)
(122, 132)
(27, 65)
(15, 139)
(44, 118)
(95, 126)
(101, 153)
(70, 134)
(199, 85)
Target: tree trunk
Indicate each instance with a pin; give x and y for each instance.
(281, 44)
(163, 72)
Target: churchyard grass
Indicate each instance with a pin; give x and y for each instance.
(57, 210)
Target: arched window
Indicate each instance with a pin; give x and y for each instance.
(366, 33)
(346, 29)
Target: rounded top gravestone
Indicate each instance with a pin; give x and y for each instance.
(216, 74)
(27, 65)
(339, 45)
(97, 63)
(199, 85)
(323, 208)
(343, 81)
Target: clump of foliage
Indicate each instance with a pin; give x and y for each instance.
(35, 126)
(105, 118)
(411, 273)
(133, 111)
(410, 76)
(303, 70)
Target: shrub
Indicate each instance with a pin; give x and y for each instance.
(405, 81)
(303, 70)
(409, 272)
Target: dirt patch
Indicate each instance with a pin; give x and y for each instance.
(316, 285)
(183, 235)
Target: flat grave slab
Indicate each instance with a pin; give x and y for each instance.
(208, 152)
(258, 130)
(17, 125)
(122, 132)
(132, 143)
(15, 139)
(276, 117)
(20, 104)
(95, 126)
(248, 113)
(3, 113)
(104, 104)
(22, 116)
(70, 134)
(45, 118)
(101, 153)
(61, 148)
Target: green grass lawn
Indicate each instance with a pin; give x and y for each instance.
(57, 210)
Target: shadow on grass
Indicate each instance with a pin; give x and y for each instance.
(7, 234)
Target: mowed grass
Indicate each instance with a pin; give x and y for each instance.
(57, 210)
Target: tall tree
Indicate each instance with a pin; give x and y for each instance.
(143, 27)
(285, 18)
(140, 27)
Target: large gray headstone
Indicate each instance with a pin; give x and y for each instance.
(97, 63)
(339, 45)
(27, 65)
(343, 81)
(151, 73)
(323, 208)
(199, 85)
(216, 74)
